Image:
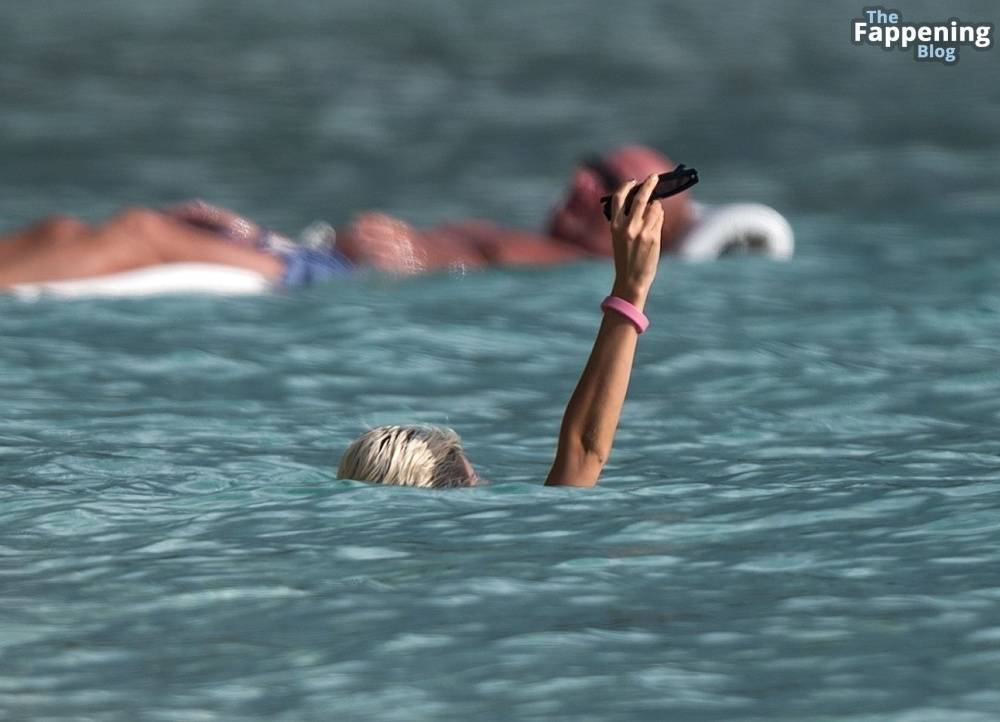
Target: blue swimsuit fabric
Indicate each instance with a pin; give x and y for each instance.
(305, 265)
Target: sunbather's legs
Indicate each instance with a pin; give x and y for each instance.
(60, 249)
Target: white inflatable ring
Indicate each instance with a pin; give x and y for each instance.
(752, 227)
(749, 227)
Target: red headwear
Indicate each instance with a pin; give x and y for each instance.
(579, 219)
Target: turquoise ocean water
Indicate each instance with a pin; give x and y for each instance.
(801, 519)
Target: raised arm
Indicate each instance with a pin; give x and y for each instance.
(591, 418)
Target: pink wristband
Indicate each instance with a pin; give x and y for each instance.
(626, 309)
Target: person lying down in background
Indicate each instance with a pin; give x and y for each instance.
(61, 249)
(432, 457)
(576, 227)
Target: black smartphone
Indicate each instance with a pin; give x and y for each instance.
(669, 184)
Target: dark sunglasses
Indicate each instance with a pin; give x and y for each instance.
(676, 181)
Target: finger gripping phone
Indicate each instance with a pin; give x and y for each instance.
(676, 181)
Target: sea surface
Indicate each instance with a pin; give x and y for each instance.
(801, 518)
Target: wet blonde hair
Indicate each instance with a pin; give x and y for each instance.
(426, 456)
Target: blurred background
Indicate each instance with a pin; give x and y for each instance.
(299, 110)
(800, 517)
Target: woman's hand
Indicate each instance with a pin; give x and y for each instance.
(591, 418)
(636, 240)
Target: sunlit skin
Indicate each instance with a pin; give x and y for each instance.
(579, 217)
(63, 248)
(591, 419)
(576, 229)
(66, 248)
